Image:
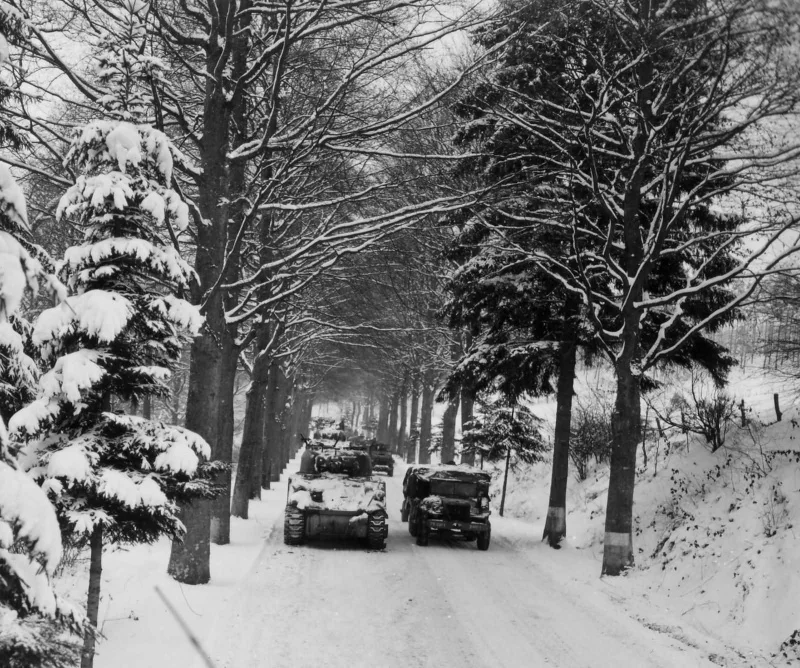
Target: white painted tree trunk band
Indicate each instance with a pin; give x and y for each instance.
(614, 539)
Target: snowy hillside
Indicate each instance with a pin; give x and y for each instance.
(717, 536)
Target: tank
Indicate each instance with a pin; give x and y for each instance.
(382, 460)
(335, 495)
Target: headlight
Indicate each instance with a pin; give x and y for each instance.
(484, 503)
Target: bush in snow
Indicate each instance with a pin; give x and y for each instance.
(707, 410)
(116, 478)
(590, 436)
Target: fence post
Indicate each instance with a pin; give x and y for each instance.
(777, 407)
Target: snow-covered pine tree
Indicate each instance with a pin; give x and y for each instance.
(116, 478)
(35, 624)
(503, 426)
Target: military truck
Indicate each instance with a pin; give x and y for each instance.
(382, 460)
(447, 501)
(334, 494)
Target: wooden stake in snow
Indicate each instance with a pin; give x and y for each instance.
(778, 413)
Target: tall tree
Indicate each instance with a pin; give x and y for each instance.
(642, 143)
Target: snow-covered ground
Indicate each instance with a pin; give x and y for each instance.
(138, 629)
(717, 580)
(336, 604)
(717, 542)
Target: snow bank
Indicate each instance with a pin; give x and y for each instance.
(715, 534)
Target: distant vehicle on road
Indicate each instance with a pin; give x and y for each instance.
(334, 494)
(448, 501)
(382, 460)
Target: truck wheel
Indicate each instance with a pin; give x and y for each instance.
(422, 532)
(294, 526)
(484, 539)
(377, 530)
(412, 523)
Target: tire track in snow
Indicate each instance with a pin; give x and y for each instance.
(337, 605)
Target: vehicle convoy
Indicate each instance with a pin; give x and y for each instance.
(449, 501)
(334, 494)
(382, 460)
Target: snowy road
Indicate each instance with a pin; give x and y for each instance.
(335, 604)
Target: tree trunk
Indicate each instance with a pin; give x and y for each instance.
(467, 397)
(627, 419)
(295, 418)
(189, 558)
(309, 409)
(93, 599)
(383, 419)
(555, 526)
(618, 545)
(391, 435)
(368, 418)
(467, 407)
(279, 427)
(448, 453)
(147, 407)
(428, 390)
(205, 411)
(257, 464)
(270, 451)
(220, 530)
(413, 440)
(403, 419)
(302, 422)
(505, 481)
(449, 430)
(251, 436)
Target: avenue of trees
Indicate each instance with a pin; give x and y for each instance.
(238, 210)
